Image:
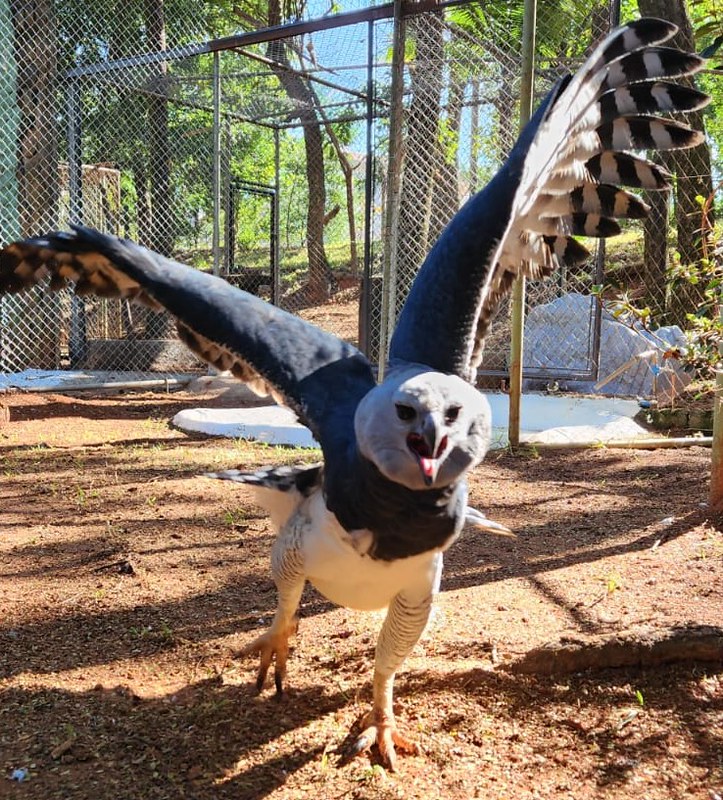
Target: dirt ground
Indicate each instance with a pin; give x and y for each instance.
(128, 583)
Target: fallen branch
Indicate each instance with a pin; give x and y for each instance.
(644, 647)
(123, 567)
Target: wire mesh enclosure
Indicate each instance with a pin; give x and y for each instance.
(313, 163)
(461, 118)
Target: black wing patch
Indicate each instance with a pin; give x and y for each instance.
(321, 377)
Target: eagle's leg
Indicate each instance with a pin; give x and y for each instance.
(404, 624)
(288, 574)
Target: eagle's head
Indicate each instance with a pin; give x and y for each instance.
(423, 429)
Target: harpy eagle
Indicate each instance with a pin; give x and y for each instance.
(368, 527)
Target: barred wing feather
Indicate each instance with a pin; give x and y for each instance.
(563, 179)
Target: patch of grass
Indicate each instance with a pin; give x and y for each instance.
(337, 254)
(154, 425)
(525, 450)
(263, 453)
(612, 581)
(374, 773)
(709, 550)
(162, 635)
(236, 517)
(82, 496)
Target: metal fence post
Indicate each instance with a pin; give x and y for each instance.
(517, 322)
(366, 288)
(77, 336)
(276, 223)
(391, 217)
(75, 158)
(216, 133)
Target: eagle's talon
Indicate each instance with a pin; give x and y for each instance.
(380, 729)
(272, 645)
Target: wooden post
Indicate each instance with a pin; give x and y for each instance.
(715, 497)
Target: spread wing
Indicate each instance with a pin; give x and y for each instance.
(561, 180)
(319, 376)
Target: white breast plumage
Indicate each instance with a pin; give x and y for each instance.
(368, 583)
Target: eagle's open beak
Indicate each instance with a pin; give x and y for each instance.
(428, 446)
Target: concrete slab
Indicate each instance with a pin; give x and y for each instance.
(573, 420)
(48, 380)
(545, 418)
(270, 424)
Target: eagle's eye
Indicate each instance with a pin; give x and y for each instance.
(451, 414)
(405, 413)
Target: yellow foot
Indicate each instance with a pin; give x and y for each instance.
(274, 644)
(379, 726)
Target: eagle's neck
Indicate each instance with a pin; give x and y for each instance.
(402, 521)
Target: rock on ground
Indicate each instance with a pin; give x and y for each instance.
(558, 336)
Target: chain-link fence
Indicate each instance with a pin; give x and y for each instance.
(251, 156)
(461, 120)
(275, 159)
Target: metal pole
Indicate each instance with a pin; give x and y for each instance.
(614, 13)
(228, 217)
(75, 157)
(517, 321)
(614, 20)
(216, 178)
(77, 339)
(286, 31)
(366, 294)
(391, 217)
(275, 224)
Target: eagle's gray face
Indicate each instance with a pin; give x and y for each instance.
(423, 429)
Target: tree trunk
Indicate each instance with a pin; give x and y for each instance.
(505, 103)
(346, 169)
(474, 138)
(445, 200)
(159, 161)
(9, 131)
(655, 253)
(31, 323)
(692, 169)
(143, 208)
(319, 282)
(297, 88)
(37, 146)
(348, 173)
